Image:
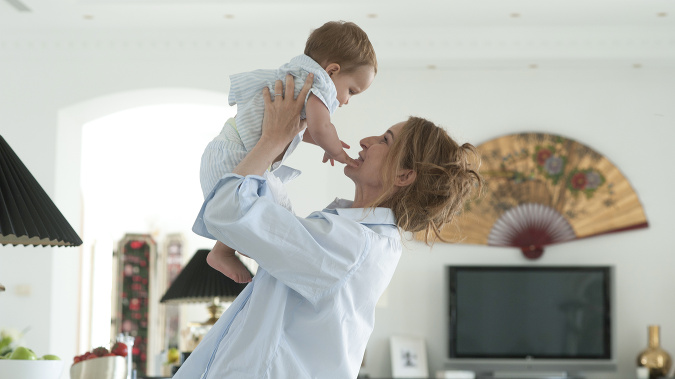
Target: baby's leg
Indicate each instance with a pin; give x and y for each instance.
(223, 259)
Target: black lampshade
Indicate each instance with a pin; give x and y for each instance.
(199, 282)
(27, 214)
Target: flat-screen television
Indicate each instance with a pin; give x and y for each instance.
(531, 319)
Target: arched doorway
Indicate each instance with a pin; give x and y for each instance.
(72, 274)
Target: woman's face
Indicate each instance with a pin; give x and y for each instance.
(374, 151)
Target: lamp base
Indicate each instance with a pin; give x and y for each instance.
(215, 310)
(196, 330)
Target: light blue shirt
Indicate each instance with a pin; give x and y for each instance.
(309, 311)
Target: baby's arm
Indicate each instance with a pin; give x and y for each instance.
(322, 131)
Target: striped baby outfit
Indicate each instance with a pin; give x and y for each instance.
(240, 134)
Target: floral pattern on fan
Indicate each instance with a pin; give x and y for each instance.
(585, 181)
(552, 166)
(543, 189)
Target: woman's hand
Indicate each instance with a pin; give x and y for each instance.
(281, 120)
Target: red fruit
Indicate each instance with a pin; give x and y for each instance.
(100, 351)
(120, 348)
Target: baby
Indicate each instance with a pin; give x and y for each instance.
(342, 60)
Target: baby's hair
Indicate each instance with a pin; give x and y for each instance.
(343, 43)
(446, 178)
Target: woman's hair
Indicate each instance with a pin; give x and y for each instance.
(446, 177)
(343, 43)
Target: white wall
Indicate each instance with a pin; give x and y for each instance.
(625, 114)
(622, 112)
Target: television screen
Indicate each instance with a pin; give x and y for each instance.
(530, 312)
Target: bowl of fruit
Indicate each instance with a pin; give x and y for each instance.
(23, 363)
(101, 363)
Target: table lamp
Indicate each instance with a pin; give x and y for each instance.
(27, 214)
(199, 282)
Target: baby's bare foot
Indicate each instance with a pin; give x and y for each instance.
(230, 266)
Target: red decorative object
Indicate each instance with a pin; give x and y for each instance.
(132, 314)
(136, 245)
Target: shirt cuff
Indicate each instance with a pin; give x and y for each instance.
(246, 186)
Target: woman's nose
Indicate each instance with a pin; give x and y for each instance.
(366, 142)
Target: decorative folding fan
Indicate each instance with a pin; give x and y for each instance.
(544, 189)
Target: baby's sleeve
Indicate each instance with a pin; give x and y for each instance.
(324, 89)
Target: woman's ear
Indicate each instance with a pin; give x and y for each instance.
(405, 177)
(332, 68)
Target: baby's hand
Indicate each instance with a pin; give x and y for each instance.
(342, 158)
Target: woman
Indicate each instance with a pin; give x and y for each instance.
(310, 309)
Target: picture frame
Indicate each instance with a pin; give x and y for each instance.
(408, 357)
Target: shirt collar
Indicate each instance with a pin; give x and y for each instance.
(368, 216)
(285, 173)
(306, 60)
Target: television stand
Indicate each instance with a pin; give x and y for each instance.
(529, 375)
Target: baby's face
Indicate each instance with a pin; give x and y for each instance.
(352, 83)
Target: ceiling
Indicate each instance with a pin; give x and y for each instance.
(442, 30)
(250, 14)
